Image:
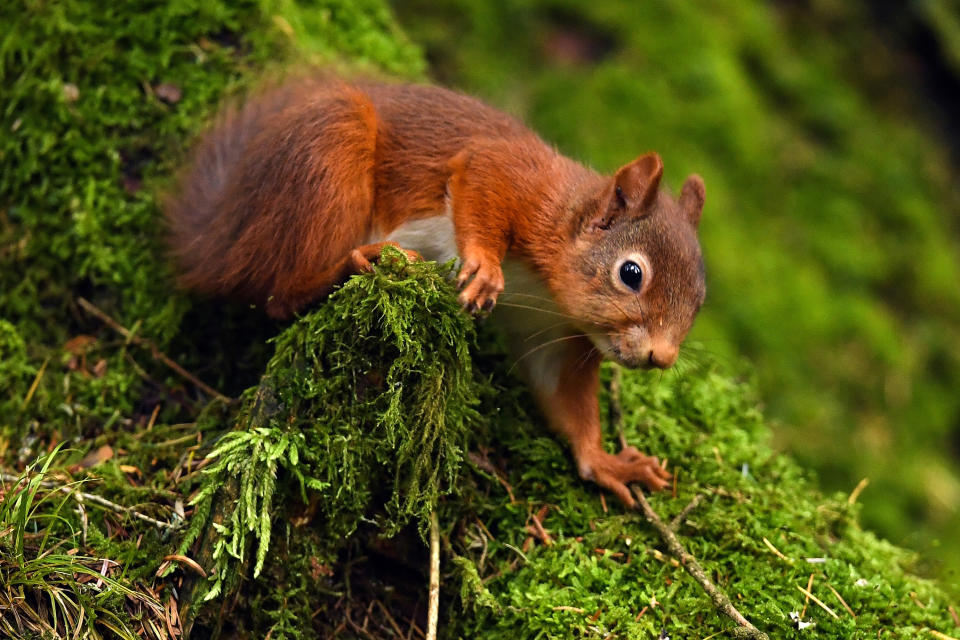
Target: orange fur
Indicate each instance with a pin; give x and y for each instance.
(301, 187)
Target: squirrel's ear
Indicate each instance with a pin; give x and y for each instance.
(691, 199)
(636, 184)
(634, 188)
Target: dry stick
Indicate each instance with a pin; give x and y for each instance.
(434, 601)
(157, 354)
(80, 497)
(720, 600)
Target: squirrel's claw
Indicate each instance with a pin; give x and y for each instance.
(615, 472)
(480, 292)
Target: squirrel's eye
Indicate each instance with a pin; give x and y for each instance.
(631, 274)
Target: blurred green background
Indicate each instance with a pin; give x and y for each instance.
(828, 137)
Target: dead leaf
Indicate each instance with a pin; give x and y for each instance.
(317, 569)
(70, 92)
(190, 562)
(79, 345)
(169, 93)
(94, 458)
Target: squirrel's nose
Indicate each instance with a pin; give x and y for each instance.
(663, 356)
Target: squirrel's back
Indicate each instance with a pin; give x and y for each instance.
(302, 173)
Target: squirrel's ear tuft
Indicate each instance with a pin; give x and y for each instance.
(691, 199)
(634, 189)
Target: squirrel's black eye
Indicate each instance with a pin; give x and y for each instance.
(631, 274)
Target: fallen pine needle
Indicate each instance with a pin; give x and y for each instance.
(777, 552)
(806, 600)
(857, 490)
(842, 601)
(34, 385)
(941, 636)
(564, 607)
(817, 601)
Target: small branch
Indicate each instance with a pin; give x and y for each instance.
(154, 351)
(82, 497)
(434, 601)
(680, 517)
(720, 600)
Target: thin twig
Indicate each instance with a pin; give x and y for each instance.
(154, 351)
(720, 600)
(82, 497)
(393, 623)
(433, 608)
(680, 517)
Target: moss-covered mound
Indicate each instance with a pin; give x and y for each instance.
(830, 231)
(168, 470)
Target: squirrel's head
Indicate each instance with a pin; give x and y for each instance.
(638, 279)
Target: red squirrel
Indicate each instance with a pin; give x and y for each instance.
(302, 186)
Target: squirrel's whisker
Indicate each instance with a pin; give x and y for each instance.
(545, 329)
(548, 311)
(545, 344)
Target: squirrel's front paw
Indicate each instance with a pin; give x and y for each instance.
(615, 472)
(486, 284)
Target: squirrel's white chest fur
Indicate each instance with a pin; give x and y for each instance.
(433, 237)
(525, 310)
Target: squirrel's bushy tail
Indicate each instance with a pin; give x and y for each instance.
(202, 222)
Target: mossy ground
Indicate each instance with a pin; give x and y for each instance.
(313, 471)
(830, 229)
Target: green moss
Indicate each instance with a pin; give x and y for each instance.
(365, 411)
(604, 568)
(364, 416)
(15, 367)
